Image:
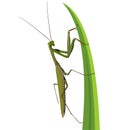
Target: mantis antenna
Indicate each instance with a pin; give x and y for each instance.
(48, 22)
(34, 28)
(37, 29)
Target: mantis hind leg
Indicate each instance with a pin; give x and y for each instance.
(67, 105)
(72, 114)
(56, 92)
(63, 94)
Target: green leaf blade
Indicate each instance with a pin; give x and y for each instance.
(91, 110)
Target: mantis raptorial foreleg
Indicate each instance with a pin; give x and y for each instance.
(70, 45)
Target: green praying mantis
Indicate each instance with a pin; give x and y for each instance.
(91, 113)
(60, 73)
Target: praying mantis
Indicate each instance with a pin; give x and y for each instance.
(91, 107)
(60, 73)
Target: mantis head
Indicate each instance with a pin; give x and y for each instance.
(51, 43)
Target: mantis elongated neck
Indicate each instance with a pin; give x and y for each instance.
(53, 56)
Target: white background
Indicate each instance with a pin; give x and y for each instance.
(27, 72)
